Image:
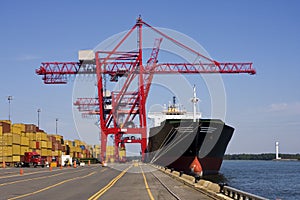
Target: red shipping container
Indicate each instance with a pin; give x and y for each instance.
(5, 127)
(53, 147)
(37, 145)
(30, 128)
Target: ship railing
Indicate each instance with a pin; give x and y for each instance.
(238, 194)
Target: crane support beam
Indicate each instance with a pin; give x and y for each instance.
(72, 68)
(124, 111)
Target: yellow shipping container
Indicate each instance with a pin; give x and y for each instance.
(43, 144)
(16, 158)
(31, 136)
(59, 152)
(21, 126)
(49, 152)
(16, 138)
(58, 137)
(6, 121)
(16, 129)
(44, 137)
(1, 130)
(32, 144)
(31, 149)
(78, 149)
(54, 153)
(16, 149)
(24, 141)
(110, 151)
(38, 151)
(6, 159)
(49, 145)
(122, 153)
(5, 150)
(68, 142)
(78, 143)
(39, 136)
(24, 149)
(72, 149)
(6, 139)
(44, 152)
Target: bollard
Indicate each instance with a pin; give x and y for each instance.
(21, 172)
(50, 168)
(89, 163)
(74, 164)
(60, 166)
(3, 164)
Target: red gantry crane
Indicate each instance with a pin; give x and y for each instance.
(123, 111)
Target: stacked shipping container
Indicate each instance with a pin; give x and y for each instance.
(16, 139)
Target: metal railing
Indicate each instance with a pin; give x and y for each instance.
(238, 194)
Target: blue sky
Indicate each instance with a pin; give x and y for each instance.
(263, 108)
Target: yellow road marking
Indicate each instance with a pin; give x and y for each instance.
(98, 194)
(52, 186)
(146, 185)
(27, 173)
(30, 173)
(31, 179)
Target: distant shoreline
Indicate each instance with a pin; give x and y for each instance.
(263, 156)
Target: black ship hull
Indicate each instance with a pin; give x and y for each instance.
(192, 147)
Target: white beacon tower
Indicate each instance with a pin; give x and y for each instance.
(277, 150)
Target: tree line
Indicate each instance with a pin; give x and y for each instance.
(263, 156)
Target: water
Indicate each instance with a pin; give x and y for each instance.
(270, 179)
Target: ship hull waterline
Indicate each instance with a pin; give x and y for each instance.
(177, 143)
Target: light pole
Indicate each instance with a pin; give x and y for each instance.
(9, 98)
(38, 112)
(56, 120)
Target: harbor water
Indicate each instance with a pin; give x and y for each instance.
(269, 179)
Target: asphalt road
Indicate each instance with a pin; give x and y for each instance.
(117, 181)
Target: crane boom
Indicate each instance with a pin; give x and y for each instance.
(55, 72)
(119, 109)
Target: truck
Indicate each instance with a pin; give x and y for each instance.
(31, 159)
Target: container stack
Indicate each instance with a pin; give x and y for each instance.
(96, 151)
(5, 141)
(16, 139)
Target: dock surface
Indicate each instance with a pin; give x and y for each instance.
(116, 181)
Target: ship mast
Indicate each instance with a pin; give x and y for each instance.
(194, 101)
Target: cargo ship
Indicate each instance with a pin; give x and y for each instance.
(186, 142)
